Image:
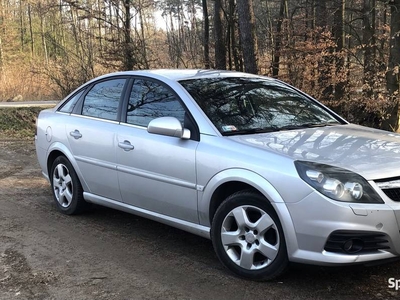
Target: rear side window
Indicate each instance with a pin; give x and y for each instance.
(149, 100)
(69, 105)
(103, 99)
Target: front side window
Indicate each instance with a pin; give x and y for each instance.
(103, 99)
(149, 100)
(250, 105)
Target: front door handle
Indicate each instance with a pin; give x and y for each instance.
(75, 134)
(126, 145)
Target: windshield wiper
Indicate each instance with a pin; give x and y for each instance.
(307, 125)
(278, 128)
(251, 131)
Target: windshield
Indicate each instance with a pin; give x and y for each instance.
(251, 105)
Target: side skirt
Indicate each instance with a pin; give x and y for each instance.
(196, 229)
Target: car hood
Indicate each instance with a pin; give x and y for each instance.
(372, 153)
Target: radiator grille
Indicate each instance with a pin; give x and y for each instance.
(391, 187)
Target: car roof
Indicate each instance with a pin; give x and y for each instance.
(182, 74)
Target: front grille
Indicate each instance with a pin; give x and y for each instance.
(356, 242)
(391, 187)
(393, 194)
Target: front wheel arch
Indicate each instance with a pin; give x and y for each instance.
(224, 191)
(227, 182)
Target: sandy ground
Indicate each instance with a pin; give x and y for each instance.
(106, 254)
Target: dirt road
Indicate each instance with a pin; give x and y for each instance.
(106, 254)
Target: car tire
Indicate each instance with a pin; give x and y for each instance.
(248, 238)
(66, 187)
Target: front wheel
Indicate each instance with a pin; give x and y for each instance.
(248, 238)
(67, 189)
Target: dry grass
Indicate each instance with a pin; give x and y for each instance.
(20, 83)
(18, 123)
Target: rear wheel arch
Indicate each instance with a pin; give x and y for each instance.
(52, 157)
(59, 149)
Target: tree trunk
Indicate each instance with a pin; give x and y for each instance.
(248, 35)
(220, 49)
(232, 38)
(142, 35)
(278, 40)
(324, 66)
(369, 47)
(206, 41)
(1, 44)
(270, 27)
(42, 32)
(21, 25)
(100, 6)
(31, 29)
(392, 75)
(339, 36)
(128, 46)
(320, 14)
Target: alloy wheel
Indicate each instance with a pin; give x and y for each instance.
(250, 237)
(62, 185)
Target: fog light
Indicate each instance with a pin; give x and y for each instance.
(353, 246)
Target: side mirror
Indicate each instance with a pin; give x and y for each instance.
(168, 126)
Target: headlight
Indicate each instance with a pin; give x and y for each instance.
(336, 183)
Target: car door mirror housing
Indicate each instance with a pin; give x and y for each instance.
(168, 126)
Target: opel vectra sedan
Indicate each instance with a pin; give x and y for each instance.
(267, 173)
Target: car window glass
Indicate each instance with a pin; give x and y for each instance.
(149, 100)
(69, 105)
(246, 104)
(103, 99)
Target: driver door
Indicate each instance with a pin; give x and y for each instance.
(156, 172)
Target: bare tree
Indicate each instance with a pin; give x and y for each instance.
(339, 36)
(248, 35)
(1, 33)
(278, 39)
(31, 30)
(369, 46)
(129, 60)
(392, 74)
(220, 48)
(206, 38)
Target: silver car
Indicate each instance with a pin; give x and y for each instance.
(270, 175)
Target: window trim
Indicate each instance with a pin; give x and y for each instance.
(79, 105)
(195, 135)
(82, 90)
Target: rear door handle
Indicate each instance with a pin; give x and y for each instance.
(126, 145)
(75, 134)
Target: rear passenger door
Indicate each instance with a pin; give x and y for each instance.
(91, 134)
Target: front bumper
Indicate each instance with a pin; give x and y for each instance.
(316, 217)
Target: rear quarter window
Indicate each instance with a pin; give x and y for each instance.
(69, 105)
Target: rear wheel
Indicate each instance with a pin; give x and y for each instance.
(67, 189)
(248, 238)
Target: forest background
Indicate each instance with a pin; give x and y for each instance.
(345, 53)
